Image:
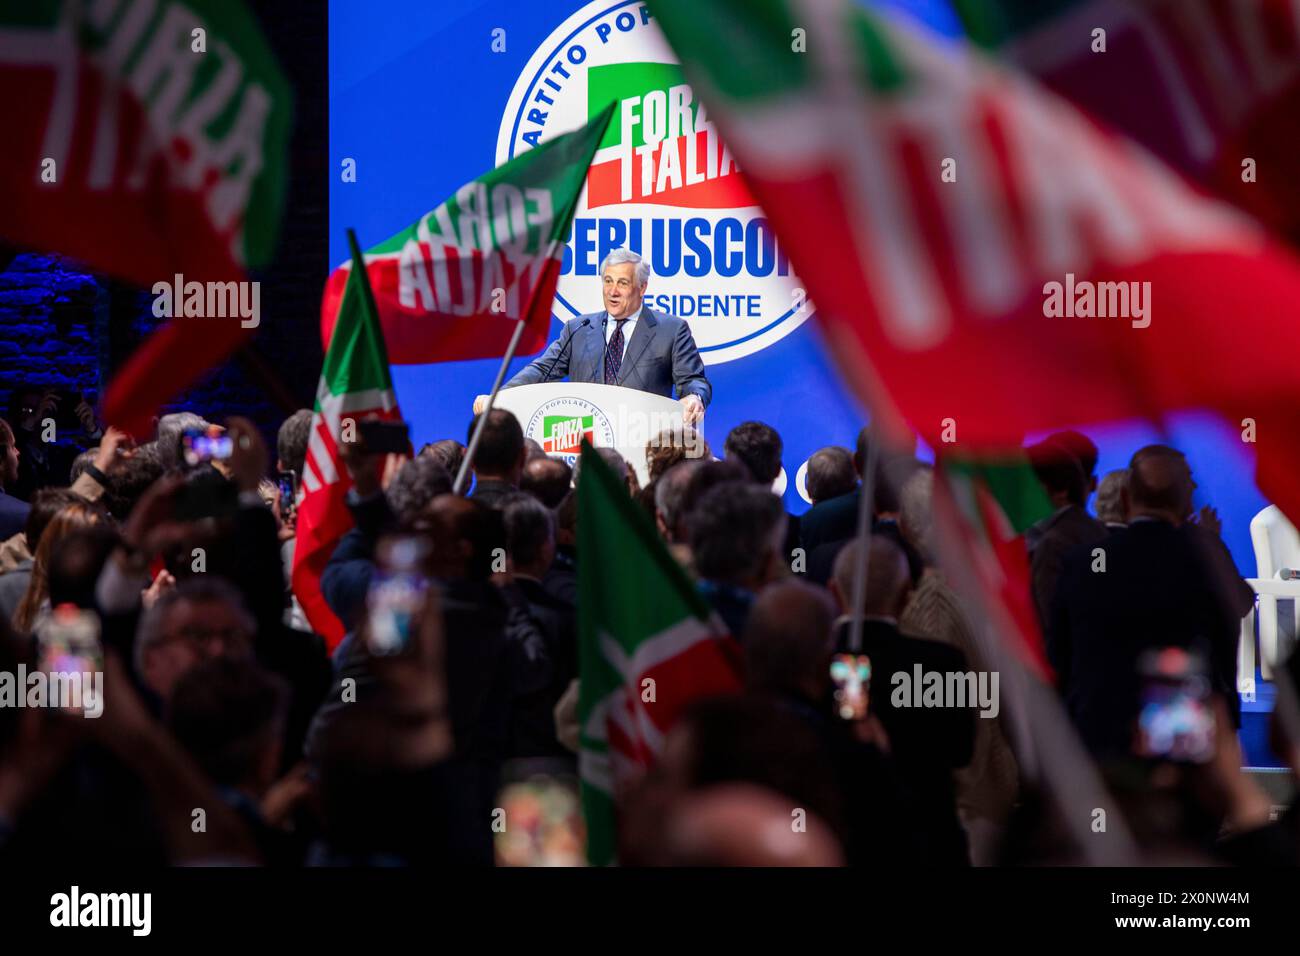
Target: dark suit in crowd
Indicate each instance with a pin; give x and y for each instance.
(926, 743)
(1162, 586)
(1052, 539)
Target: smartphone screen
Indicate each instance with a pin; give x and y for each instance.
(397, 591)
(69, 641)
(205, 444)
(1175, 717)
(541, 820)
(851, 679)
(288, 491)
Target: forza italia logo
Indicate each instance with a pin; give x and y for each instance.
(662, 183)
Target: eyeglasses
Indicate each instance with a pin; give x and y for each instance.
(202, 634)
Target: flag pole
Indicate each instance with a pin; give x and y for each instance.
(465, 464)
(866, 512)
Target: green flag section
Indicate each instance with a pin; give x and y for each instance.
(454, 284)
(354, 384)
(649, 645)
(984, 507)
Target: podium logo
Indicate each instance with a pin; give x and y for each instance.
(561, 425)
(662, 183)
(564, 435)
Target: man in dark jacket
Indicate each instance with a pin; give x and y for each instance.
(1064, 478)
(927, 743)
(530, 546)
(499, 458)
(1165, 582)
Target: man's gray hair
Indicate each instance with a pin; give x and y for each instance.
(610, 456)
(170, 429)
(627, 255)
(1110, 501)
(415, 485)
(916, 512)
(670, 492)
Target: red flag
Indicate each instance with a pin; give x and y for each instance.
(1219, 82)
(981, 254)
(121, 154)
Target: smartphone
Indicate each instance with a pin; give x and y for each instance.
(69, 642)
(541, 820)
(851, 680)
(205, 444)
(384, 437)
(287, 483)
(1175, 717)
(397, 590)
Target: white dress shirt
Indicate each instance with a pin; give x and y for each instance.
(628, 326)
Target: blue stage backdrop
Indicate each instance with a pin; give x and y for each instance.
(422, 103)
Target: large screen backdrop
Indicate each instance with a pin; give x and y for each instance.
(426, 95)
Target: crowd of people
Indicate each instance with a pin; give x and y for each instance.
(230, 734)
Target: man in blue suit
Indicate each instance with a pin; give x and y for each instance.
(627, 344)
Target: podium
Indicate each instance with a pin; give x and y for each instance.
(559, 415)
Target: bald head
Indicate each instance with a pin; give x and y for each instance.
(1160, 484)
(546, 479)
(745, 825)
(888, 578)
(788, 639)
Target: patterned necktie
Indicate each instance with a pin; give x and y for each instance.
(614, 353)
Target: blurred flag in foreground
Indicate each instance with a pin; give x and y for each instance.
(648, 646)
(984, 509)
(146, 140)
(1219, 82)
(354, 384)
(985, 260)
(452, 285)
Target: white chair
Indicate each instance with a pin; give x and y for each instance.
(1277, 549)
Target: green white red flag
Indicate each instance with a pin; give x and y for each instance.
(984, 257)
(453, 284)
(982, 510)
(355, 384)
(649, 645)
(145, 138)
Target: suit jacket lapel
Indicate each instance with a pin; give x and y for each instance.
(593, 351)
(641, 336)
